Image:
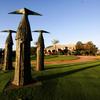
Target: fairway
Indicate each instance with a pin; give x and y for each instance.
(56, 57)
(79, 81)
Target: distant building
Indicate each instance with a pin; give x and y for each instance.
(71, 47)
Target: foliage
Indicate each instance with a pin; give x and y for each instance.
(33, 50)
(85, 49)
(63, 52)
(79, 45)
(54, 41)
(90, 48)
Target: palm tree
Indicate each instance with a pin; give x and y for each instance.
(54, 41)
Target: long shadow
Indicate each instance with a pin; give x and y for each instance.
(57, 75)
(64, 65)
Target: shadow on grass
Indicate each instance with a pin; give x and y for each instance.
(61, 74)
(64, 65)
(46, 90)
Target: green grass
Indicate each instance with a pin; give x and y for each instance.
(79, 81)
(56, 57)
(4, 79)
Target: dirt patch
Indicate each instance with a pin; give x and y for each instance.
(81, 59)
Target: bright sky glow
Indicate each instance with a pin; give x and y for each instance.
(68, 21)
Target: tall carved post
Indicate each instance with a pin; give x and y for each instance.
(8, 51)
(22, 74)
(40, 50)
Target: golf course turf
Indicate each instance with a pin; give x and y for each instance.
(74, 81)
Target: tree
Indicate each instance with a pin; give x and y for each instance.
(33, 50)
(85, 49)
(79, 48)
(90, 48)
(66, 50)
(54, 41)
(79, 45)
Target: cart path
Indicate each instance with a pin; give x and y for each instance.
(81, 59)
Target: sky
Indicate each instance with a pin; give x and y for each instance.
(68, 21)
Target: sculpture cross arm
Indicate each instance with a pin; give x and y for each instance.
(25, 11)
(11, 31)
(9, 38)
(41, 31)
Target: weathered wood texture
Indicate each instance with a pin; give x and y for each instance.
(40, 53)
(8, 53)
(40, 50)
(23, 66)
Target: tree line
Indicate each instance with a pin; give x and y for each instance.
(88, 48)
